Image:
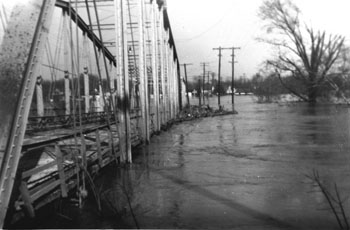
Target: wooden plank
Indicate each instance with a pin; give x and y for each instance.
(61, 173)
(83, 151)
(39, 169)
(52, 196)
(98, 145)
(110, 141)
(27, 199)
(45, 190)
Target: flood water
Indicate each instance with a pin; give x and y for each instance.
(243, 171)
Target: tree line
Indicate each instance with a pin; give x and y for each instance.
(310, 64)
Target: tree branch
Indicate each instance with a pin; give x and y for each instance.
(290, 89)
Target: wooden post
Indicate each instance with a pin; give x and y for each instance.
(98, 145)
(27, 199)
(219, 72)
(39, 97)
(199, 93)
(83, 151)
(110, 143)
(60, 169)
(155, 76)
(86, 90)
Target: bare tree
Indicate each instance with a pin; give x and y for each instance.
(303, 53)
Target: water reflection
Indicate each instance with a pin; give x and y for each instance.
(246, 170)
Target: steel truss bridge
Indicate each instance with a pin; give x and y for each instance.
(81, 83)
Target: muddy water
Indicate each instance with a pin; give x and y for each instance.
(244, 171)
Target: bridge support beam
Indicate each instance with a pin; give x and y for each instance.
(155, 66)
(29, 21)
(123, 102)
(143, 74)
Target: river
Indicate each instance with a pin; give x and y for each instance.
(243, 171)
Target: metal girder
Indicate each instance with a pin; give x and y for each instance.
(19, 59)
(86, 29)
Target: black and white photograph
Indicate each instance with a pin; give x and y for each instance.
(175, 114)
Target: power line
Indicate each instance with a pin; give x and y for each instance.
(209, 28)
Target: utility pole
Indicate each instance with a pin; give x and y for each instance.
(204, 64)
(233, 76)
(219, 75)
(199, 92)
(208, 86)
(233, 69)
(186, 83)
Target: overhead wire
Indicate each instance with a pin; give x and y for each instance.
(208, 29)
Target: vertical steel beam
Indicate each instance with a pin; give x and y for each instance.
(30, 21)
(172, 79)
(66, 53)
(67, 92)
(154, 44)
(120, 94)
(160, 42)
(126, 101)
(143, 74)
(101, 100)
(166, 75)
(177, 88)
(86, 89)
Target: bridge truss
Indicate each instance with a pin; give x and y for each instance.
(81, 83)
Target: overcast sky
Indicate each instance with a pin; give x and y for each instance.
(200, 25)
